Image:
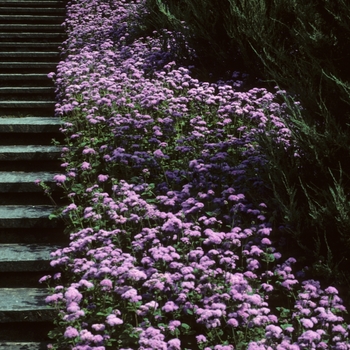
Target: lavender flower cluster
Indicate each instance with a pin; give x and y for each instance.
(169, 249)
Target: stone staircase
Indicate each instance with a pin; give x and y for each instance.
(30, 33)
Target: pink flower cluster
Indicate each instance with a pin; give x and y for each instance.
(171, 245)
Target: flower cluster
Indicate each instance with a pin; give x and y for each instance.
(170, 241)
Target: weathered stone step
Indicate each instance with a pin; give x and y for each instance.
(13, 10)
(20, 181)
(25, 79)
(29, 152)
(23, 46)
(23, 346)
(33, 2)
(30, 125)
(24, 304)
(43, 65)
(26, 216)
(27, 104)
(34, 54)
(31, 36)
(15, 27)
(25, 257)
(31, 18)
(34, 90)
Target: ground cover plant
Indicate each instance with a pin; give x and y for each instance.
(303, 48)
(172, 245)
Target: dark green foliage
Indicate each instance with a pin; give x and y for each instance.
(303, 47)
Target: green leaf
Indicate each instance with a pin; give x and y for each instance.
(185, 326)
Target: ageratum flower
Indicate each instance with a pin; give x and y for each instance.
(113, 320)
(60, 178)
(102, 178)
(71, 332)
(85, 166)
(98, 327)
(170, 306)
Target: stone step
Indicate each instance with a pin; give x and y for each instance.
(39, 19)
(15, 27)
(25, 257)
(27, 10)
(23, 345)
(26, 104)
(24, 304)
(42, 3)
(24, 46)
(29, 216)
(30, 125)
(34, 90)
(25, 79)
(20, 181)
(34, 54)
(49, 3)
(31, 36)
(29, 152)
(27, 65)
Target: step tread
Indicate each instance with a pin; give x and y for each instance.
(21, 181)
(25, 211)
(30, 124)
(22, 177)
(17, 257)
(29, 26)
(30, 35)
(30, 44)
(30, 121)
(6, 76)
(23, 299)
(29, 53)
(27, 216)
(29, 152)
(15, 104)
(28, 64)
(29, 148)
(22, 346)
(26, 89)
(9, 150)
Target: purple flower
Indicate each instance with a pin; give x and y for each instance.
(131, 294)
(273, 331)
(306, 323)
(232, 322)
(174, 324)
(339, 329)
(331, 290)
(201, 338)
(159, 154)
(71, 332)
(73, 307)
(72, 294)
(113, 320)
(85, 166)
(309, 337)
(102, 178)
(174, 344)
(98, 327)
(170, 306)
(106, 284)
(44, 278)
(85, 335)
(60, 178)
(89, 151)
(70, 207)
